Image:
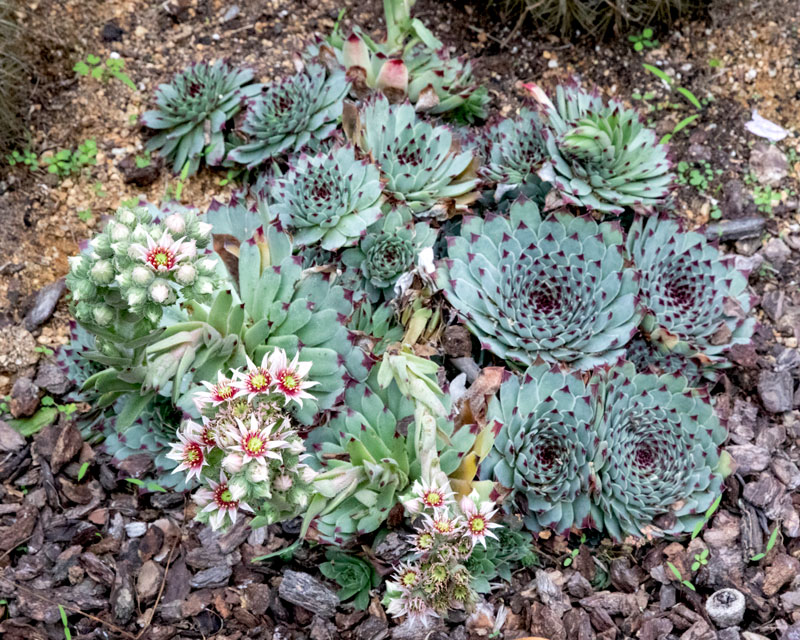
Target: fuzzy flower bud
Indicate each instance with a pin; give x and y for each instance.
(160, 292)
(142, 276)
(126, 217)
(136, 296)
(118, 232)
(206, 266)
(283, 482)
(140, 236)
(232, 463)
(204, 286)
(102, 246)
(83, 290)
(203, 229)
(103, 315)
(257, 473)
(189, 248)
(186, 274)
(102, 272)
(175, 223)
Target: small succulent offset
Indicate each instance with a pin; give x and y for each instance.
(138, 266)
(355, 577)
(509, 549)
(192, 112)
(330, 198)
(390, 249)
(436, 578)
(555, 288)
(602, 157)
(289, 114)
(649, 356)
(631, 454)
(246, 452)
(696, 301)
(423, 168)
(515, 149)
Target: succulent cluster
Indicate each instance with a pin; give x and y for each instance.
(193, 111)
(246, 452)
(139, 265)
(633, 454)
(288, 115)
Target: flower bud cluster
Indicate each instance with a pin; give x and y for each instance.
(246, 439)
(141, 263)
(436, 579)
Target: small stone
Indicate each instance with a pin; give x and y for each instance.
(44, 304)
(736, 200)
(626, 577)
(111, 32)
(10, 438)
(68, 444)
(791, 633)
(787, 472)
(17, 349)
(135, 529)
(769, 163)
(149, 581)
(231, 13)
(457, 341)
(749, 457)
(578, 586)
(772, 302)
(257, 598)
(776, 253)
(213, 577)
(763, 491)
(731, 633)
(776, 390)
(782, 569)
(790, 601)
(24, 398)
(52, 378)
(137, 175)
(373, 628)
(306, 591)
(726, 607)
(736, 229)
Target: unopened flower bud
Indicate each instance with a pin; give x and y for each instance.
(126, 217)
(393, 80)
(102, 272)
(139, 235)
(257, 473)
(238, 488)
(355, 53)
(186, 274)
(203, 229)
(136, 296)
(206, 266)
(102, 246)
(118, 232)
(283, 482)
(175, 223)
(160, 292)
(76, 263)
(103, 315)
(297, 447)
(232, 463)
(308, 474)
(142, 276)
(83, 290)
(189, 248)
(153, 313)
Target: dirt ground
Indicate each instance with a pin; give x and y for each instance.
(113, 554)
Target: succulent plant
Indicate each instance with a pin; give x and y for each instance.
(328, 198)
(355, 576)
(515, 149)
(192, 112)
(696, 301)
(555, 288)
(422, 168)
(389, 250)
(544, 448)
(140, 264)
(409, 64)
(500, 557)
(602, 157)
(367, 457)
(287, 115)
(659, 466)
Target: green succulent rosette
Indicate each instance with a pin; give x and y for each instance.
(289, 114)
(697, 302)
(555, 288)
(602, 157)
(514, 149)
(390, 250)
(330, 198)
(192, 112)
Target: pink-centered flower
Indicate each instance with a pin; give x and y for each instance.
(217, 393)
(255, 380)
(221, 500)
(478, 520)
(442, 522)
(289, 376)
(405, 604)
(188, 451)
(256, 442)
(208, 434)
(428, 497)
(164, 254)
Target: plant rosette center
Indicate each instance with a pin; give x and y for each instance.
(161, 259)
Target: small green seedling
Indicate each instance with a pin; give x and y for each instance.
(143, 161)
(773, 538)
(82, 471)
(44, 350)
(706, 517)
(700, 560)
(85, 215)
(643, 40)
(677, 574)
(67, 633)
(25, 157)
(574, 553)
(112, 68)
